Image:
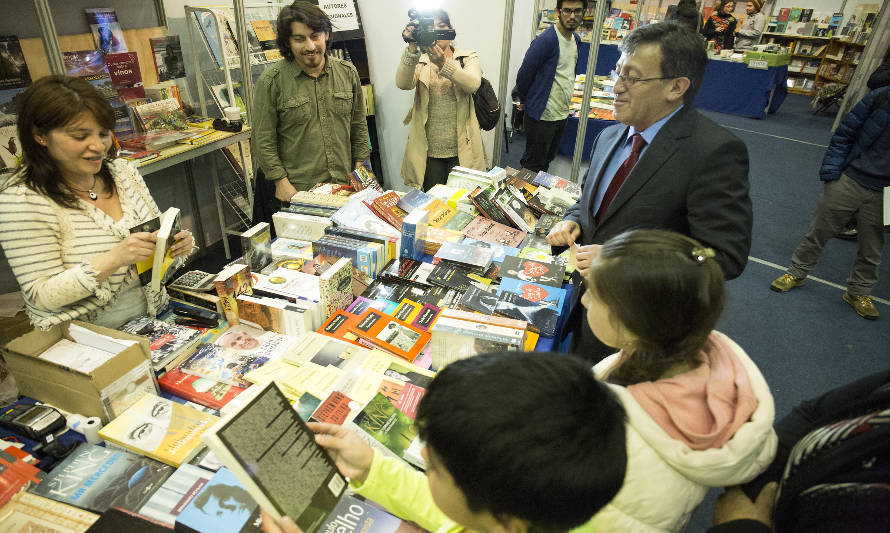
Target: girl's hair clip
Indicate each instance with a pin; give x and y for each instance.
(700, 255)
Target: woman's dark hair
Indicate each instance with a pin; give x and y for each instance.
(719, 9)
(440, 14)
(667, 290)
(54, 102)
(309, 14)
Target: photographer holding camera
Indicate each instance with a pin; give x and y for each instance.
(444, 129)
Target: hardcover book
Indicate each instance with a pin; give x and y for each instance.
(167, 341)
(272, 453)
(487, 230)
(378, 330)
(386, 207)
(175, 494)
(106, 30)
(235, 353)
(97, 479)
(202, 391)
(159, 428)
(545, 273)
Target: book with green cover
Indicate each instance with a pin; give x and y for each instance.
(390, 427)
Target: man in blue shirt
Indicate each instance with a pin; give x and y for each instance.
(665, 166)
(545, 82)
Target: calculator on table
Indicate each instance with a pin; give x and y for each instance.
(194, 280)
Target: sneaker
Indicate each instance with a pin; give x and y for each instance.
(849, 234)
(863, 305)
(785, 283)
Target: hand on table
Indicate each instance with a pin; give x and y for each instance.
(284, 190)
(564, 233)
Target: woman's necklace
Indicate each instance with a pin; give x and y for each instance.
(93, 196)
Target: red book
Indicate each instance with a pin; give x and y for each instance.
(385, 207)
(125, 74)
(202, 391)
(16, 474)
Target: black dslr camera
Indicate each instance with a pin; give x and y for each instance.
(425, 33)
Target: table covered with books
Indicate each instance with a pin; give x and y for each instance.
(731, 87)
(344, 318)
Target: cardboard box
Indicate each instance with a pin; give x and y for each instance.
(105, 392)
(772, 60)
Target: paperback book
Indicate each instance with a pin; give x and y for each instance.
(534, 292)
(487, 230)
(542, 318)
(97, 479)
(221, 506)
(231, 282)
(14, 73)
(168, 342)
(391, 428)
(235, 353)
(125, 74)
(159, 428)
(256, 246)
(541, 272)
(272, 453)
(202, 391)
(154, 270)
(175, 494)
(26, 513)
(378, 330)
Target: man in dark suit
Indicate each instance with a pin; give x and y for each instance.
(665, 166)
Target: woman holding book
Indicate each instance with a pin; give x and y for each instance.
(699, 412)
(444, 131)
(721, 25)
(66, 213)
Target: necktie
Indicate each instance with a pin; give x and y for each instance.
(620, 175)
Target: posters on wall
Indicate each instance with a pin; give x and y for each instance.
(14, 78)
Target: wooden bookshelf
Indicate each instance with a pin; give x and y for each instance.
(837, 58)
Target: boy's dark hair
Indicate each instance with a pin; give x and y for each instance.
(54, 102)
(663, 287)
(309, 14)
(559, 3)
(529, 435)
(682, 52)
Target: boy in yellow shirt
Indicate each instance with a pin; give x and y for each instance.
(514, 443)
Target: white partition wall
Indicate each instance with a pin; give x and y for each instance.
(479, 26)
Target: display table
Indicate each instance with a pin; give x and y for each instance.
(731, 87)
(567, 142)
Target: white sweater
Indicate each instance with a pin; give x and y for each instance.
(666, 479)
(49, 248)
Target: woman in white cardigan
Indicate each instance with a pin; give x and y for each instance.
(444, 131)
(699, 412)
(65, 213)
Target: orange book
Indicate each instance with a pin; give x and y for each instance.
(376, 329)
(338, 326)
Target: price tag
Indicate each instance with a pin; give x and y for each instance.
(761, 64)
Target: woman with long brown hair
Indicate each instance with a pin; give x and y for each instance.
(721, 25)
(65, 213)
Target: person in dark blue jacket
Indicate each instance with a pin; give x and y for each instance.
(545, 82)
(855, 169)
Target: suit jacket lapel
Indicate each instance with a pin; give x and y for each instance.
(664, 145)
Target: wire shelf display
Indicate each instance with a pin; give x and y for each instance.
(235, 194)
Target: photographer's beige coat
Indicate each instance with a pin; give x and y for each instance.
(416, 71)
